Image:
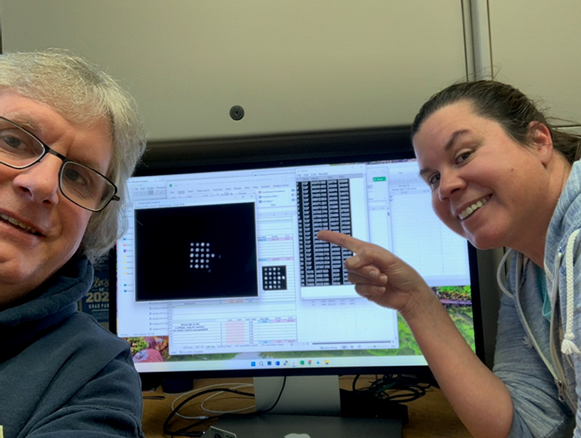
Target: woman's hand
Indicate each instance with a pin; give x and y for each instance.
(474, 392)
(380, 276)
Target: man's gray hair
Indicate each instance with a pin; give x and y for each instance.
(82, 93)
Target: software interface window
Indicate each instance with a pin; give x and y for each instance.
(229, 263)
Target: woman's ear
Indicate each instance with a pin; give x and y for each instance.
(541, 141)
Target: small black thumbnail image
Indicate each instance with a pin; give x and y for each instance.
(274, 278)
(195, 252)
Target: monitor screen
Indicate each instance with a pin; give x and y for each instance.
(221, 272)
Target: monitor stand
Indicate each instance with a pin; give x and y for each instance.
(320, 395)
(314, 405)
(307, 395)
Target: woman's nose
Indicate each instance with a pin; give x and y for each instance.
(450, 182)
(40, 182)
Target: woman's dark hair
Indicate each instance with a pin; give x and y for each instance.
(504, 104)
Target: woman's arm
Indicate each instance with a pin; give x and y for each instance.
(480, 399)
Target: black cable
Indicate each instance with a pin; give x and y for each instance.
(399, 388)
(354, 383)
(277, 399)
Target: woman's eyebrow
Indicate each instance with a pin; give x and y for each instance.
(454, 137)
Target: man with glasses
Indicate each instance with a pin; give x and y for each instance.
(86, 187)
(69, 140)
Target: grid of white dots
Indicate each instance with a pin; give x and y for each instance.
(200, 255)
(274, 277)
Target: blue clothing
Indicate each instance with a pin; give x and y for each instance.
(547, 307)
(62, 374)
(539, 360)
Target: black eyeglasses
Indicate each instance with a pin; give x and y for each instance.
(80, 184)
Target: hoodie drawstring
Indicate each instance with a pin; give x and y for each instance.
(499, 274)
(568, 346)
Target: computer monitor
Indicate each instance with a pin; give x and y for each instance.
(221, 273)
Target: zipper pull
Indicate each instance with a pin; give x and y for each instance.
(561, 390)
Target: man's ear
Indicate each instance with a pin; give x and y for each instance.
(541, 141)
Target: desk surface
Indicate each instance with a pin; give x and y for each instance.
(429, 416)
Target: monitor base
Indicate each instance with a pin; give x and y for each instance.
(275, 425)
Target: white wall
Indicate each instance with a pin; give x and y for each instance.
(293, 65)
(534, 45)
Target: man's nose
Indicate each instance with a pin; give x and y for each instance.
(40, 182)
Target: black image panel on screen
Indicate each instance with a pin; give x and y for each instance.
(196, 252)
